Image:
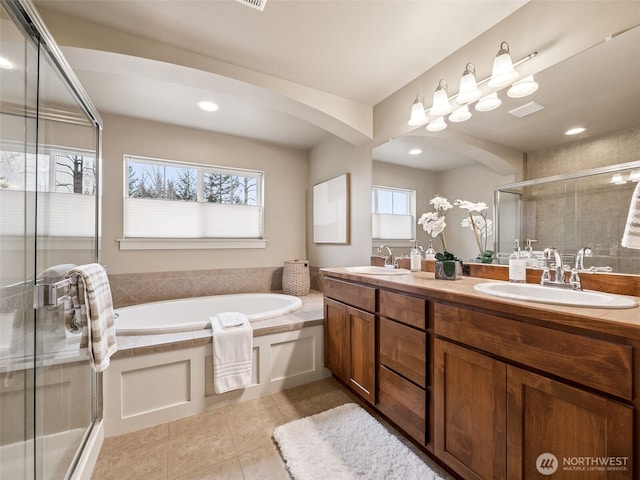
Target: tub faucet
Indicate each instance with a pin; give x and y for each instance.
(388, 259)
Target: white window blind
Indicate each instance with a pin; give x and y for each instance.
(175, 200)
(151, 218)
(392, 227)
(393, 213)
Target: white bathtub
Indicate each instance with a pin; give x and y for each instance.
(193, 313)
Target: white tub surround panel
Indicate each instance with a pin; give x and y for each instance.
(141, 391)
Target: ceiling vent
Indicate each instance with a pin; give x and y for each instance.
(526, 109)
(257, 4)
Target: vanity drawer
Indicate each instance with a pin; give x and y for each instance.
(403, 403)
(357, 295)
(403, 350)
(593, 362)
(404, 308)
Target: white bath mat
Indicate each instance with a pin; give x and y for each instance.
(347, 443)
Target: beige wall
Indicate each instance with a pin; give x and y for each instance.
(332, 158)
(474, 183)
(286, 182)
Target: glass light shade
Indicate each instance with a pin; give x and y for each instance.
(462, 114)
(524, 87)
(440, 104)
(468, 91)
(418, 116)
(503, 72)
(6, 64)
(634, 176)
(437, 125)
(488, 103)
(617, 179)
(208, 106)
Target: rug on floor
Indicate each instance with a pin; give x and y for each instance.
(347, 443)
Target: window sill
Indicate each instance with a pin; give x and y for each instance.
(189, 243)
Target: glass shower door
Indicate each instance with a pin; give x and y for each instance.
(66, 233)
(18, 130)
(49, 204)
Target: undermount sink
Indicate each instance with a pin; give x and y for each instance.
(553, 295)
(373, 270)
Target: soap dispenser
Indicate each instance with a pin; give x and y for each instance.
(416, 257)
(528, 255)
(430, 254)
(517, 265)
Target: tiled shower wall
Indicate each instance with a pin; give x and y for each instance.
(135, 288)
(573, 214)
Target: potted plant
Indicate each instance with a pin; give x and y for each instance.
(447, 265)
(481, 226)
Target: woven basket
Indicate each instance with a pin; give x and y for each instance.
(295, 277)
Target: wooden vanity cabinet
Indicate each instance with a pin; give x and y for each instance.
(493, 417)
(350, 335)
(402, 362)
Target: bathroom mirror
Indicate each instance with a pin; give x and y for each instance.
(573, 92)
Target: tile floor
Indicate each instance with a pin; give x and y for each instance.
(230, 443)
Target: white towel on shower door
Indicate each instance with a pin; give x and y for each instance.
(232, 355)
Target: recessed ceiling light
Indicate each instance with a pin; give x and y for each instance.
(575, 131)
(208, 106)
(5, 64)
(415, 151)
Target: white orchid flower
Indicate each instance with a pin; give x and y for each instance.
(440, 203)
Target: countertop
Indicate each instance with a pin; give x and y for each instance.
(618, 322)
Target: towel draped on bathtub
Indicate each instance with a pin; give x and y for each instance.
(232, 351)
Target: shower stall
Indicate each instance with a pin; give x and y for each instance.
(50, 137)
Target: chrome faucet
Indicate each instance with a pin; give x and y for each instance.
(583, 252)
(388, 259)
(558, 281)
(574, 279)
(559, 278)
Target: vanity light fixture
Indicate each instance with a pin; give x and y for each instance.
(418, 115)
(575, 131)
(462, 114)
(634, 176)
(441, 105)
(415, 151)
(503, 72)
(6, 64)
(617, 179)
(469, 91)
(437, 125)
(523, 87)
(208, 106)
(488, 103)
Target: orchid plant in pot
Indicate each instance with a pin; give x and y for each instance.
(447, 266)
(480, 225)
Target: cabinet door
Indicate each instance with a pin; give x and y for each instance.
(552, 426)
(469, 411)
(336, 339)
(361, 364)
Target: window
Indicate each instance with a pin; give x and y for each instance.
(173, 200)
(394, 213)
(65, 180)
